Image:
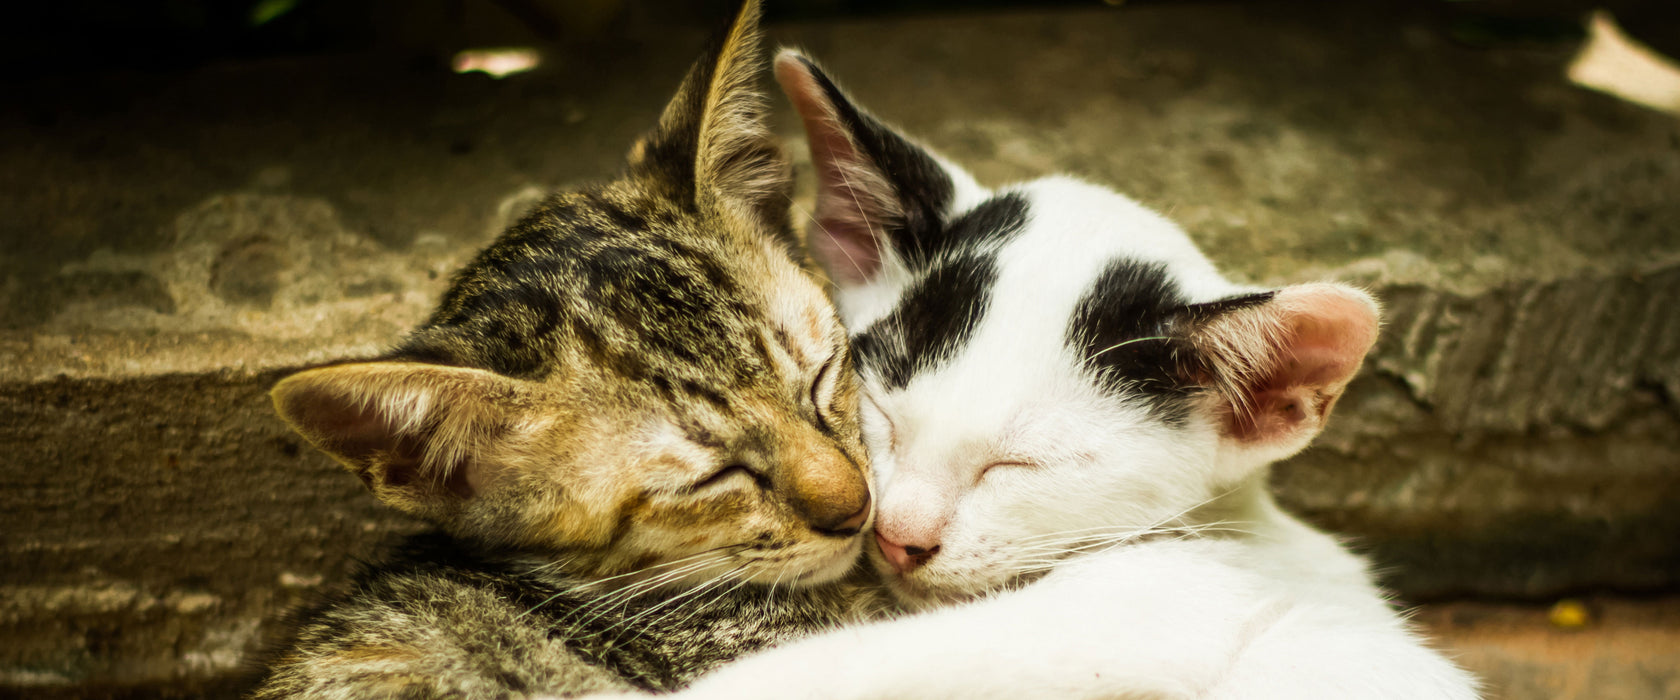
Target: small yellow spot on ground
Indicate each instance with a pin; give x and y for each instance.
(1569, 614)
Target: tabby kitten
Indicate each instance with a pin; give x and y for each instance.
(632, 419)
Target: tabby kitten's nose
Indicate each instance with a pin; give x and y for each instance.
(824, 486)
(848, 527)
(903, 557)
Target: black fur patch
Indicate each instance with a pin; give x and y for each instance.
(1124, 329)
(994, 221)
(935, 317)
(1206, 311)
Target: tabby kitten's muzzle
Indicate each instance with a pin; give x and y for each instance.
(828, 489)
(832, 523)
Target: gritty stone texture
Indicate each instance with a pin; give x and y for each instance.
(174, 243)
(156, 528)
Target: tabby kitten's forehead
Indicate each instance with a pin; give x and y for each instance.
(624, 284)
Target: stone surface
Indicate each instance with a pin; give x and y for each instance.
(157, 527)
(173, 243)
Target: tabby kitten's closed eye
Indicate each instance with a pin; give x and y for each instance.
(633, 420)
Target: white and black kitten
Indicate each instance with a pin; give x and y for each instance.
(1071, 414)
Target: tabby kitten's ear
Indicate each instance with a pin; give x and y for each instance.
(711, 143)
(876, 191)
(424, 438)
(1278, 362)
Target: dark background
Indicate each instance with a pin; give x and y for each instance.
(164, 35)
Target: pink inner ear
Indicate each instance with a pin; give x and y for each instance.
(850, 257)
(1305, 346)
(1271, 413)
(361, 433)
(339, 422)
(1333, 327)
(849, 211)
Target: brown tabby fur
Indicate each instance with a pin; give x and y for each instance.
(637, 397)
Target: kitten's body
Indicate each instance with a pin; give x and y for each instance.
(1071, 416)
(483, 625)
(633, 420)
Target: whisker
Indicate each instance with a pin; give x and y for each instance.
(1047, 550)
(605, 602)
(1117, 346)
(770, 598)
(671, 601)
(702, 607)
(596, 582)
(1122, 532)
(876, 235)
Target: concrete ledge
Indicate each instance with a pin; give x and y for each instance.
(158, 527)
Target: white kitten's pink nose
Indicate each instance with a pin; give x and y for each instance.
(904, 557)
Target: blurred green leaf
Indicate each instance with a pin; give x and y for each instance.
(266, 11)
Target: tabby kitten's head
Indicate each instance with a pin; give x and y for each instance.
(638, 376)
(1050, 368)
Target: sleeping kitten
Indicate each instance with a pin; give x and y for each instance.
(633, 419)
(1071, 414)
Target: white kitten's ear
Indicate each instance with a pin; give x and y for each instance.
(421, 437)
(1279, 362)
(876, 191)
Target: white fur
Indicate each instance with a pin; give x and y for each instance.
(999, 449)
(1015, 395)
(1172, 619)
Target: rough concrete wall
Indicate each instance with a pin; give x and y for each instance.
(175, 243)
(1518, 442)
(155, 525)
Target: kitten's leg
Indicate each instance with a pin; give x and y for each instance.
(1164, 620)
(1320, 651)
(1149, 623)
(423, 638)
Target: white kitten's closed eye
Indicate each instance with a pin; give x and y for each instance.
(878, 426)
(1007, 464)
(995, 472)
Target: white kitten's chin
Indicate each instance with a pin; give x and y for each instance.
(918, 591)
(913, 595)
(934, 586)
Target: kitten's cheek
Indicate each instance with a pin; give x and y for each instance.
(881, 466)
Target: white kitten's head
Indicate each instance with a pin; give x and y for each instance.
(1051, 367)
